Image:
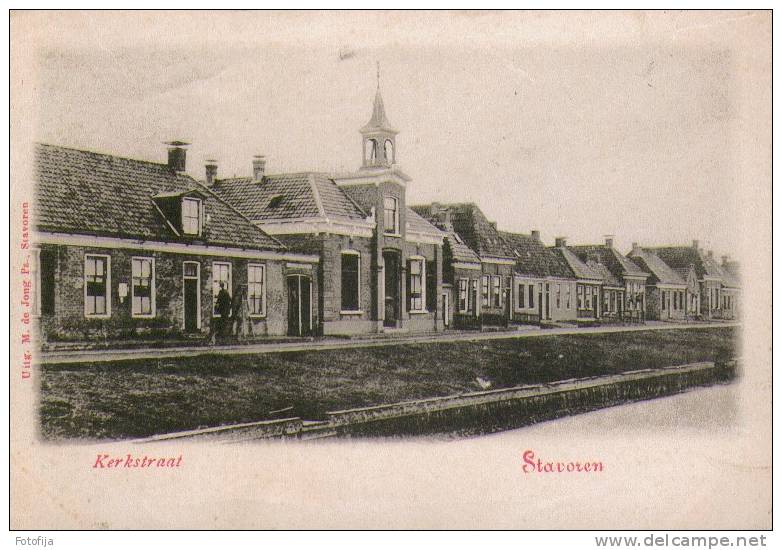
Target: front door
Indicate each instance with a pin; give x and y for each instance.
(191, 275)
(392, 287)
(299, 305)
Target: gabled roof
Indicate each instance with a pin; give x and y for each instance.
(619, 266)
(90, 193)
(661, 272)
(705, 265)
(579, 269)
(533, 258)
(288, 196)
(460, 252)
(474, 229)
(418, 224)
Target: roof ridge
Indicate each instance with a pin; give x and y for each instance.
(119, 157)
(316, 195)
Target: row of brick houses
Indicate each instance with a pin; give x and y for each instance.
(129, 248)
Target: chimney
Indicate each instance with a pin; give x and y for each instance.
(560, 242)
(434, 209)
(636, 249)
(725, 260)
(177, 155)
(609, 241)
(211, 171)
(710, 254)
(259, 167)
(695, 244)
(535, 234)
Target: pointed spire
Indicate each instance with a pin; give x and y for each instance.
(379, 121)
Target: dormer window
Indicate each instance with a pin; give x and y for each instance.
(276, 201)
(191, 216)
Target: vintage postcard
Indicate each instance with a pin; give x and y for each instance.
(390, 270)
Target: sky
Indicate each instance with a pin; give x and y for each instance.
(576, 124)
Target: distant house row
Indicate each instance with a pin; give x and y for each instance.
(499, 277)
(127, 248)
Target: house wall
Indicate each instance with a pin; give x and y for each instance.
(70, 323)
(654, 303)
(711, 299)
(464, 318)
(492, 314)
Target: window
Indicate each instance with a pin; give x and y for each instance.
(567, 296)
(531, 301)
(389, 151)
(415, 268)
(371, 151)
(256, 289)
(521, 295)
(431, 286)
(607, 300)
(588, 297)
(391, 216)
(663, 300)
(580, 296)
(559, 296)
(495, 283)
(143, 287)
(221, 275)
(97, 286)
(463, 289)
(351, 262)
(485, 291)
(191, 216)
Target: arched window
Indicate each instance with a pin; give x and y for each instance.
(371, 151)
(389, 151)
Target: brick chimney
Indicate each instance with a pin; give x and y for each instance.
(609, 241)
(560, 242)
(211, 171)
(177, 155)
(696, 244)
(535, 234)
(434, 209)
(259, 167)
(636, 249)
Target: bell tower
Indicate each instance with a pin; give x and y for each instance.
(379, 138)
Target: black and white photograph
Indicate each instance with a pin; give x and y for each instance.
(406, 270)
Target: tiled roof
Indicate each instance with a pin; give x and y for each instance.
(705, 266)
(419, 224)
(533, 258)
(612, 259)
(288, 196)
(474, 229)
(660, 270)
(460, 252)
(97, 194)
(580, 269)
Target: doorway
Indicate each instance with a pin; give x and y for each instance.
(191, 284)
(392, 281)
(299, 305)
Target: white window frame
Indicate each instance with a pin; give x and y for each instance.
(198, 294)
(152, 289)
(108, 286)
(466, 295)
(358, 310)
(200, 217)
(216, 288)
(422, 261)
(395, 232)
(263, 289)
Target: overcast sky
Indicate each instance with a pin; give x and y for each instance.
(575, 124)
